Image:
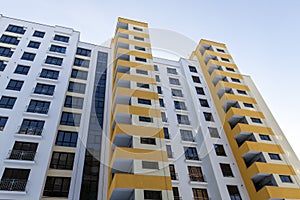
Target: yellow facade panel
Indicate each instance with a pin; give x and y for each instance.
(137, 110)
(136, 93)
(214, 53)
(134, 53)
(260, 147)
(247, 128)
(272, 192)
(220, 63)
(223, 73)
(134, 65)
(223, 84)
(133, 42)
(243, 112)
(212, 43)
(270, 168)
(134, 33)
(233, 97)
(136, 78)
(129, 21)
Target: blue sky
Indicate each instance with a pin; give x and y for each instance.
(262, 36)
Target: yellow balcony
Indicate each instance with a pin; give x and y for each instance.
(247, 128)
(270, 168)
(271, 192)
(260, 147)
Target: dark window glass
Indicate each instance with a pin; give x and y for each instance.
(140, 59)
(73, 102)
(159, 90)
(3, 121)
(57, 49)
(61, 160)
(144, 101)
(191, 153)
(23, 151)
(7, 102)
(39, 34)
(81, 62)
(171, 71)
(22, 69)
(145, 119)
(139, 71)
(15, 29)
(70, 119)
(36, 106)
(76, 87)
(6, 52)
(149, 165)
(152, 195)
(219, 149)
(196, 174)
(157, 78)
(66, 139)
(256, 120)
(54, 60)
(208, 117)
(83, 52)
(196, 79)
(14, 179)
(200, 194)
(50, 74)
(203, 103)
(161, 103)
(235, 80)
(28, 56)
(248, 105)
(200, 90)
(34, 45)
(225, 59)
(192, 69)
(78, 74)
(226, 170)
(137, 29)
(57, 187)
(169, 151)
(155, 67)
(220, 50)
(31, 127)
(187, 135)
(174, 81)
(2, 65)
(164, 117)
(234, 192)
(176, 193)
(173, 173)
(9, 40)
(142, 85)
(61, 38)
(176, 93)
(213, 132)
(44, 89)
(140, 48)
(166, 133)
(229, 69)
(14, 85)
(241, 92)
(264, 137)
(151, 141)
(274, 156)
(180, 105)
(285, 179)
(183, 119)
(138, 38)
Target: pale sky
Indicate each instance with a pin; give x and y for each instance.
(263, 36)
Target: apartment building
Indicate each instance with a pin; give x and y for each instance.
(83, 121)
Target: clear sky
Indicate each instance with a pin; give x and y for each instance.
(263, 36)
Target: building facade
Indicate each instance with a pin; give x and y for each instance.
(83, 121)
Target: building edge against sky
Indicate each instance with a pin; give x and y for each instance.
(82, 121)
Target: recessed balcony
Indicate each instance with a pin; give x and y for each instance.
(263, 180)
(243, 137)
(252, 157)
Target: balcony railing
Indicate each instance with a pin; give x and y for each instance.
(21, 155)
(13, 184)
(197, 177)
(29, 130)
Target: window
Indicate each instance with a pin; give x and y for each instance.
(151, 141)
(22, 69)
(83, 52)
(76, 87)
(155, 67)
(31, 127)
(15, 29)
(169, 151)
(208, 117)
(50, 74)
(34, 45)
(285, 179)
(166, 133)
(137, 29)
(41, 107)
(234, 192)
(7, 102)
(196, 174)
(28, 56)
(174, 81)
(3, 121)
(164, 117)
(144, 101)
(145, 119)
(191, 153)
(61, 160)
(192, 69)
(9, 40)
(57, 49)
(66, 139)
(149, 165)
(78, 74)
(196, 79)
(176, 193)
(73, 102)
(6, 52)
(57, 187)
(23, 151)
(171, 71)
(220, 50)
(140, 59)
(213, 132)
(226, 170)
(264, 137)
(274, 156)
(2, 65)
(225, 59)
(235, 80)
(256, 120)
(142, 85)
(248, 105)
(138, 38)
(200, 90)
(140, 48)
(54, 60)
(139, 71)
(200, 194)
(176, 93)
(81, 62)
(203, 103)
(44, 89)
(39, 34)
(159, 90)
(229, 69)
(180, 105)
(219, 149)
(161, 103)
(152, 195)
(14, 85)
(14, 179)
(61, 38)
(241, 92)
(187, 135)
(183, 119)
(157, 78)
(172, 172)
(70, 119)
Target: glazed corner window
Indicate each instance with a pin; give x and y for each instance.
(274, 156)
(264, 137)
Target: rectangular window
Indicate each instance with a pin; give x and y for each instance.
(173, 172)
(39, 34)
(285, 179)
(248, 105)
(66, 139)
(164, 117)
(44, 89)
(234, 192)
(41, 107)
(70, 119)
(208, 117)
(7, 102)
(57, 49)
(61, 160)
(50, 74)
(183, 119)
(83, 52)
(171, 71)
(159, 90)
(149, 165)
(187, 135)
(14, 179)
(166, 133)
(204, 103)
(225, 59)
(3, 121)
(145, 119)
(2, 65)
(196, 174)
(15, 29)
(34, 45)
(140, 59)
(6, 52)
(152, 195)
(176, 193)
(219, 149)
(200, 90)
(28, 56)
(137, 29)
(157, 78)
(180, 105)
(138, 38)
(192, 69)
(241, 92)
(176, 93)
(226, 170)
(61, 38)
(150, 141)
(213, 132)
(144, 101)
(57, 187)
(174, 81)
(274, 156)
(256, 120)
(142, 85)
(220, 50)
(54, 60)
(200, 194)
(140, 48)
(264, 137)
(235, 80)
(196, 79)
(73, 102)
(23, 151)
(14, 85)
(81, 63)
(169, 151)
(22, 69)
(76, 87)
(78, 74)
(229, 69)
(161, 103)
(9, 40)
(191, 153)
(155, 67)
(31, 127)
(139, 71)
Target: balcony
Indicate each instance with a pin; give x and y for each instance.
(243, 137)
(18, 185)
(230, 104)
(263, 180)
(21, 155)
(252, 157)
